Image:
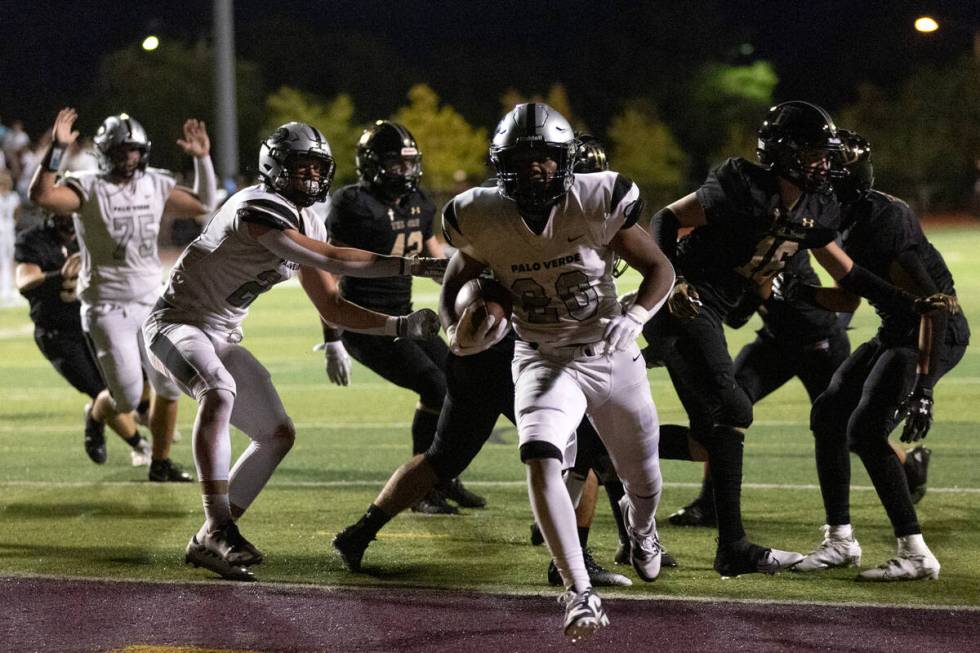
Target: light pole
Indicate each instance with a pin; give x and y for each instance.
(224, 86)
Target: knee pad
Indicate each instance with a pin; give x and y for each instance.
(537, 450)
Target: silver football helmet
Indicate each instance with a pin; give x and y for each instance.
(280, 154)
(533, 130)
(117, 131)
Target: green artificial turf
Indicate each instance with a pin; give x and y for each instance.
(62, 515)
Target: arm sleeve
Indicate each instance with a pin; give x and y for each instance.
(284, 247)
(664, 226)
(205, 182)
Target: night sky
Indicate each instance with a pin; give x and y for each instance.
(471, 51)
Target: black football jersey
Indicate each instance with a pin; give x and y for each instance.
(749, 235)
(799, 321)
(42, 246)
(359, 219)
(876, 230)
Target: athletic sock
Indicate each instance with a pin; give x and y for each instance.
(707, 496)
(583, 536)
(423, 429)
(891, 484)
(834, 473)
(725, 453)
(217, 513)
(615, 492)
(134, 440)
(373, 520)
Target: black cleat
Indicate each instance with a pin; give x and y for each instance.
(94, 437)
(225, 552)
(454, 490)
(696, 513)
(743, 557)
(434, 503)
(350, 545)
(167, 471)
(917, 470)
(598, 575)
(537, 538)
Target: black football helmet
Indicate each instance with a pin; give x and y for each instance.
(533, 130)
(121, 131)
(388, 159)
(857, 174)
(283, 150)
(798, 140)
(591, 155)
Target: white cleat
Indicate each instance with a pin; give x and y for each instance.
(142, 455)
(584, 614)
(907, 565)
(225, 552)
(834, 551)
(645, 550)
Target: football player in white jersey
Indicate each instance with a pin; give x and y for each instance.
(262, 235)
(551, 237)
(118, 210)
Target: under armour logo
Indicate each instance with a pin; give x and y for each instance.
(808, 223)
(416, 210)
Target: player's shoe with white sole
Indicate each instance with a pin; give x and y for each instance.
(584, 614)
(142, 454)
(907, 565)
(225, 552)
(94, 437)
(598, 575)
(834, 551)
(743, 557)
(645, 550)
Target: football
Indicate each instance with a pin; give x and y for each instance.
(490, 298)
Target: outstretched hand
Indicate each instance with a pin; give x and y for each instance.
(195, 141)
(63, 132)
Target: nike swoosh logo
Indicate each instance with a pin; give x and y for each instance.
(637, 356)
(572, 240)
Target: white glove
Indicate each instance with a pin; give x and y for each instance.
(485, 336)
(624, 329)
(338, 363)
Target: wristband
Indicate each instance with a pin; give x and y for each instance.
(638, 313)
(54, 156)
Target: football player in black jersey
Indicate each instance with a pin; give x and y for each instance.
(387, 213)
(796, 340)
(747, 220)
(47, 271)
(886, 379)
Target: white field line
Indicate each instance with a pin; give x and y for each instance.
(290, 588)
(499, 484)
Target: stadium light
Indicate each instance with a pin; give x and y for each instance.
(151, 43)
(926, 24)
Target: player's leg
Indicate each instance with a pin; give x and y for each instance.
(192, 361)
(549, 404)
(480, 389)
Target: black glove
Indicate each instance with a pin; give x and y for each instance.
(938, 301)
(916, 409)
(419, 325)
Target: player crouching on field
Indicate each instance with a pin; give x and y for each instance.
(263, 235)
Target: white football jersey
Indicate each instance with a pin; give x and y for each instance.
(225, 269)
(117, 227)
(561, 280)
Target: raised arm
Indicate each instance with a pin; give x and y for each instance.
(44, 191)
(202, 199)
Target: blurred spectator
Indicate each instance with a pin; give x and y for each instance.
(80, 157)
(14, 139)
(30, 156)
(9, 208)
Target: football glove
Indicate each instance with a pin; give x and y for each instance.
(684, 302)
(485, 336)
(938, 301)
(916, 409)
(623, 330)
(338, 363)
(420, 325)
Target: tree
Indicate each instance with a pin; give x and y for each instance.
(333, 118)
(453, 152)
(925, 138)
(162, 88)
(643, 148)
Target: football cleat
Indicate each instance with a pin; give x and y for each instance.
(225, 552)
(699, 512)
(142, 454)
(623, 556)
(454, 490)
(350, 545)
(743, 557)
(834, 551)
(584, 614)
(645, 549)
(434, 503)
(167, 471)
(598, 575)
(916, 471)
(907, 565)
(94, 437)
